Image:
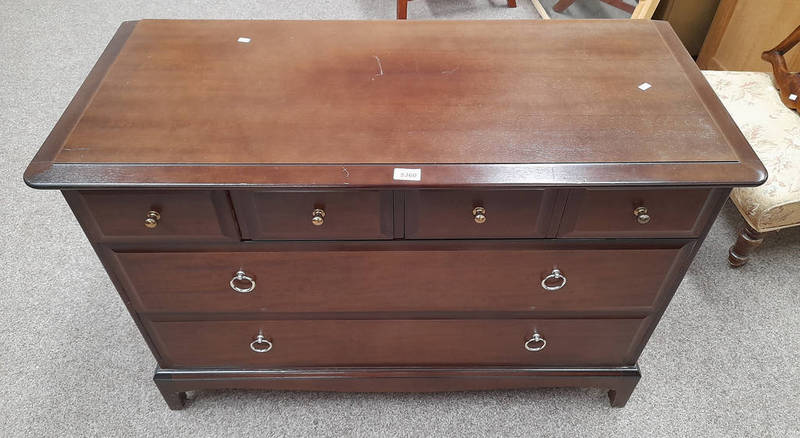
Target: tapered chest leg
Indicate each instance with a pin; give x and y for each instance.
(749, 239)
(176, 400)
(619, 395)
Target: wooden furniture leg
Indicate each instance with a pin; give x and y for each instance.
(620, 394)
(540, 9)
(176, 400)
(512, 3)
(645, 9)
(402, 9)
(749, 239)
(562, 5)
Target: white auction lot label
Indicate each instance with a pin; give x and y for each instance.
(407, 174)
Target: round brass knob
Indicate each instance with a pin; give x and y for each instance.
(152, 218)
(318, 217)
(641, 215)
(479, 214)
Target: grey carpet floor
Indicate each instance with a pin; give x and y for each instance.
(723, 362)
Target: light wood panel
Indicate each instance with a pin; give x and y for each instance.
(690, 19)
(743, 29)
(644, 9)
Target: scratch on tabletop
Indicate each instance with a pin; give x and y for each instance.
(380, 67)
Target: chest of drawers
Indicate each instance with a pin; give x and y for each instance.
(384, 206)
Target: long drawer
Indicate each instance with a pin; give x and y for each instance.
(462, 276)
(264, 344)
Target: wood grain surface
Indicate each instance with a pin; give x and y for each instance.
(301, 96)
(603, 213)
(448, 214)
(396, 342)
(488, 277)
(378, 92)
(286, 215)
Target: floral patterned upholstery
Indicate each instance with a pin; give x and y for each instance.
(774, 133)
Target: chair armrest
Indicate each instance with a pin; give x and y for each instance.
(788, 82)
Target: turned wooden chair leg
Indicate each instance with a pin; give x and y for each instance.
(562, 5)
(402, 9)
(749, 239)
(512, 3)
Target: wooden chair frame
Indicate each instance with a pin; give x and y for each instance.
(788, 82)
(644, 10)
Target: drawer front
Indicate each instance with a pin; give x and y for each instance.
(197, 215)
(432, 277)
(635, 213)
(227, 344)
(471, 214)
(315, 215)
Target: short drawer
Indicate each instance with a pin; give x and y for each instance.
(196, 215)
(471, 214)
(635, 213)
(315, 215)
(435, 276)
(233, 344)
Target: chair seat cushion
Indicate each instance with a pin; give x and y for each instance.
(774, 133)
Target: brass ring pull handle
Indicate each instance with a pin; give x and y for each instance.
(641, 215)
(152, 218)
(531, 344)
(241, 276)
(318, 217)
(555, 275)
(261, 344)
(479, 214)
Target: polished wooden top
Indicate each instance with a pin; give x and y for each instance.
(342, 103)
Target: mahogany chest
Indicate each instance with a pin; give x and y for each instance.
(395, 206)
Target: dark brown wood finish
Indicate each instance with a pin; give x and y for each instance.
(264, 215)
(116, 215)
(317, 278)
(788, 82)
(173, 383)
(613, 213)
(460, 115)
(226, 344)
(399, 289)
(748, 241)
(675, 276)
(265, 112)
(442, 214)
